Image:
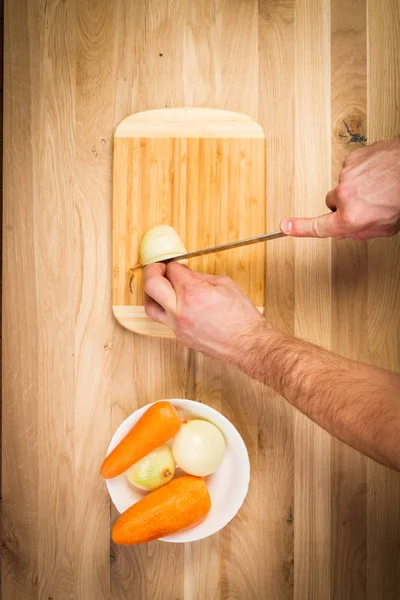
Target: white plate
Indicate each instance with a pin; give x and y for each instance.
(227, 486)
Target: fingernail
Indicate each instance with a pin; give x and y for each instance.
(286, 226)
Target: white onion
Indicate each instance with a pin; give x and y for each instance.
(198, 448)
(154, 470)
(159, 243)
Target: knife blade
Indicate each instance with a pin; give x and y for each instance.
(266, 237)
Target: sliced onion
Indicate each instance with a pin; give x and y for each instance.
(199, 447)
(154, 470)
(159, 243)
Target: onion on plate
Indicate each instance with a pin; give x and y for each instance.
(154, 470)
(198, 447)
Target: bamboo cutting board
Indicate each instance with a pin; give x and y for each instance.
(201, 171)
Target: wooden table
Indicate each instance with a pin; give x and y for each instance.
(320, 521)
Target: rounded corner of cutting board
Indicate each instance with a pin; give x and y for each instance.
(135, 319)
(189, 122)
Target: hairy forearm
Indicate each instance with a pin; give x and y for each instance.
(358, 403)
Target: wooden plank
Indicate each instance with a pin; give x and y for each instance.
(236, 54)
(144, 369)
(128, 565)
(216, 75)
(312, 506)
(275, 436)
(349, 290)
(383, 565)
(54, 225)
(244, 537)
(96, 34)
(20, 476)
(203, 80)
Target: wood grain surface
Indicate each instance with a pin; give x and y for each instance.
(320, 76)
(349, 293)
(202, 171)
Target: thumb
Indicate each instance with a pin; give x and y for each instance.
(317, 227)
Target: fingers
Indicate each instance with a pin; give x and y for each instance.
(163, 285)
(179, 276)
(159, 288)
(318, 227)
(154, 311)
(286, 226)
(155, 269)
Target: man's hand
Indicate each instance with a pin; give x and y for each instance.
(366, 202)
(358, 403)
(207, 313)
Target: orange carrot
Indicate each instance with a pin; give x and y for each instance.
(159, 424)
(181, 503)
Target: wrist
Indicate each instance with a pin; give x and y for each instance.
(253, 352)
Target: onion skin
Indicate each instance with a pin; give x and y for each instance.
(154, 470)
(159, 243)
(199, 447)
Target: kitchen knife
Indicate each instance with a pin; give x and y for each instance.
(253, 240)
